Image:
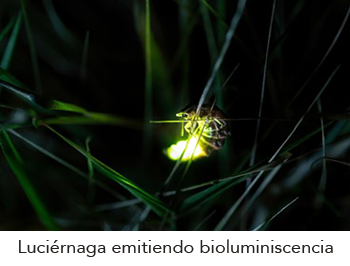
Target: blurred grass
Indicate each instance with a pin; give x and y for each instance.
(166, 55)
(32, 48)
(148, 80)
(159, 207)
(6, 59)
(17, 166)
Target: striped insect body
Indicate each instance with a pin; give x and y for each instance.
(208, 125)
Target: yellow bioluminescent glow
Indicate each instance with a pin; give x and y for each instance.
(174, 151)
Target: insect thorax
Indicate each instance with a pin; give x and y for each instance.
(209, 124)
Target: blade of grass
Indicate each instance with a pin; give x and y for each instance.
(198, 199)
(91, 187)
(336, 161)
(160, 70)
(204, 221)
(84, 58)
(148, 79)
(323, 58)
(261, 188)
(32, 48)
(220, 226)
(65, 164)
(91, 118)
(184, 26)
(16, 164)
(263, 87)
(117, 205)
(307, 111)
(6, 59)
(8, 79)
(231, 31)
(323, 179)
(7, 29)
(54, 107)
(217, 15)
(234, 207)
(265, 223)
(221, 7)
(213, 51)
(157, 206)
(202, 197)
(58, 25)
(228, 215)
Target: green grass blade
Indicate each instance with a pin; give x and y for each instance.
(264, 224)
(64, 163)
(157, 206)
(6, 77)
(217, 15)
(7, 81)
(221, 185)
(16, 165)
(61, 30)
(231, 31)
(148, 78)
(90, 118)
(212, 47)
(221, 7)
(48, 154)
(32, 48)
(6, 59)
(7, 29)
(62, 106)
(91, 173)
(209, 194)
(55, 107)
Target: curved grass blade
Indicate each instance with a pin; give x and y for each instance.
(32, 48)
(9, 80)
(6, 59)
(7, 29)
(66, 164)
(264, 184)
(57, 108)
(231, 31)
(264, 224)
(16, 164)
(221, 225)
(203, 196)
(61, 30)
(157, 206)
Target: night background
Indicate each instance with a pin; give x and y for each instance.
(81, 81)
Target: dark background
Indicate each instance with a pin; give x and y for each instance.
(115, 83)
